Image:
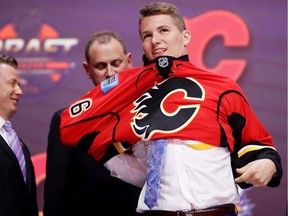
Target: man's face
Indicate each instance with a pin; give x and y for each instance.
(10, 91)
(160, 36)
(106, 60)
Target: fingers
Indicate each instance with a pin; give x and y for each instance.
(241, 178)
(253, 174)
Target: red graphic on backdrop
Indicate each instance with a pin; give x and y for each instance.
(213, 24)
(39, 162)
(41, 53)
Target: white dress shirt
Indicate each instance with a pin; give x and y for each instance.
(131, 168)
(3, 132)
(194, 176)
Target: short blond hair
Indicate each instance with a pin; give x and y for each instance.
(159, 8)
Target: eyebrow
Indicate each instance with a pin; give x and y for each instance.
(159, 27)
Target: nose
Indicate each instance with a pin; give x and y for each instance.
(110, 71)
(19, 90)
(156, 38)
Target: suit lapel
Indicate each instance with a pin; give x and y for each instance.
(10, 154)
(8, 151)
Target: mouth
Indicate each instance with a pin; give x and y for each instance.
(15, 100)
(159, 52)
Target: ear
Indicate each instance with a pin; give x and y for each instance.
(186, 36)
(86, 68)
(129, 59)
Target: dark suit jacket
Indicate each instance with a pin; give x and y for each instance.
(16, 197)
(76, 184)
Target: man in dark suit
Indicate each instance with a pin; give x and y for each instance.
(17, 189)
(76, 184)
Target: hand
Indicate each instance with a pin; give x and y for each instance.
(258, 173)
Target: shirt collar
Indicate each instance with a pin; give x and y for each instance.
(146, 61)
(2, 122)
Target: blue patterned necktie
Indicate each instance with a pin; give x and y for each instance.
(16, 147)
(155, 164)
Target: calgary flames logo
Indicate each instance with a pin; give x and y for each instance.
(167, 108)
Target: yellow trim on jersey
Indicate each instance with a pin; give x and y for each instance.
(250, 148)
(201, 146)
(119, 147)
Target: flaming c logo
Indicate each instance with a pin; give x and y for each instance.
(218, 24)
(161, 103)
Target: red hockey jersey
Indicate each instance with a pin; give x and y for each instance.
(143, 104)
